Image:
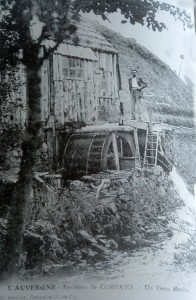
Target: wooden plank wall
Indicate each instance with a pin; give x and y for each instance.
(80, 99)
(107, 99)
(74, 99)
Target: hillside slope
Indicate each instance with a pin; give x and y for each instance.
(170, 97)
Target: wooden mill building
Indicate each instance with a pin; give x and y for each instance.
(80, 83)
(81, 86)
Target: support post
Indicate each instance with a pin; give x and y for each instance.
(137, 150)
(150, 119)
(115, 149)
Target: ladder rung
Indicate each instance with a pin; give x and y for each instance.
(152, 142)
(100, 146)
(94, 160)
(150, 164)
(92, 152)
(129, 157)
(97, 142)
(150, 156)
(149, 149)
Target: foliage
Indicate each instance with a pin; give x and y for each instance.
(24, 22)
(9, 136)
(136, 11)
(184, 257)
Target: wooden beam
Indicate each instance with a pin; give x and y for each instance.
(137, 149)
(115, 149)
(150, 120)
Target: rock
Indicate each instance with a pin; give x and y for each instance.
(106, 201)
(82, 263)
(123, 206)
(108, 172)
(96, 227)
(86, 236)
(103, 242)
(157, 171)
(147, 172)
(112, 207)
(87, 208)
(125, 198)
(99, 248)
(100, 236)
(161, 191)
(58, 267)
(44, 147)
(121, 191)
(88, 179)
(162, 218)
(111, 244)
(77, 252)
(90, 252)
(127, 241)
(76, 184)
(99, 209)
(15, 153)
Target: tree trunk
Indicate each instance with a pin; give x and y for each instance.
(22, 193)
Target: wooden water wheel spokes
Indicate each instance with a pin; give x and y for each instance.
(119, 152)
(90, 153)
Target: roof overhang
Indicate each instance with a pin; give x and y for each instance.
(71, 50)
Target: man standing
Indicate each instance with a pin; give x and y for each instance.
(136, 85)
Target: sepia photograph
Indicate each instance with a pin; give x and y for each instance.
(97, 150)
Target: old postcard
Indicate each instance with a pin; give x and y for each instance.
(97, 150)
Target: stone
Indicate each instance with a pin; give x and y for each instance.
(44, 147)
(99, 248)
(121, 191)
(111, 244)
(113, 207)
(96, 227)
(106, 200)
(76, 184)
(103, 242)
(125, 198)
(162, 218)
(99, 208)
(157, 171)
(87, 237)
(161, 191)
(100, 236)
(15, 153)
(87, 208)
(88, 179)
(91, 253)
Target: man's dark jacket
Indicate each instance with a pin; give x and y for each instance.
(140, 83)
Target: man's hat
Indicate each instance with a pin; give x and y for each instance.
(134, 71)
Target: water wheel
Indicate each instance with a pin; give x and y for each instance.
(88, 153)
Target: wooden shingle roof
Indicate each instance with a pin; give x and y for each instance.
(90, 37)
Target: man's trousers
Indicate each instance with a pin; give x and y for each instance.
(136, 106)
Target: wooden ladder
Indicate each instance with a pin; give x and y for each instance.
(151, 149)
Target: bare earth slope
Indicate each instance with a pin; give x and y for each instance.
(170, 97)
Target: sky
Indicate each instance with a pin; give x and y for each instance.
(169, 44)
